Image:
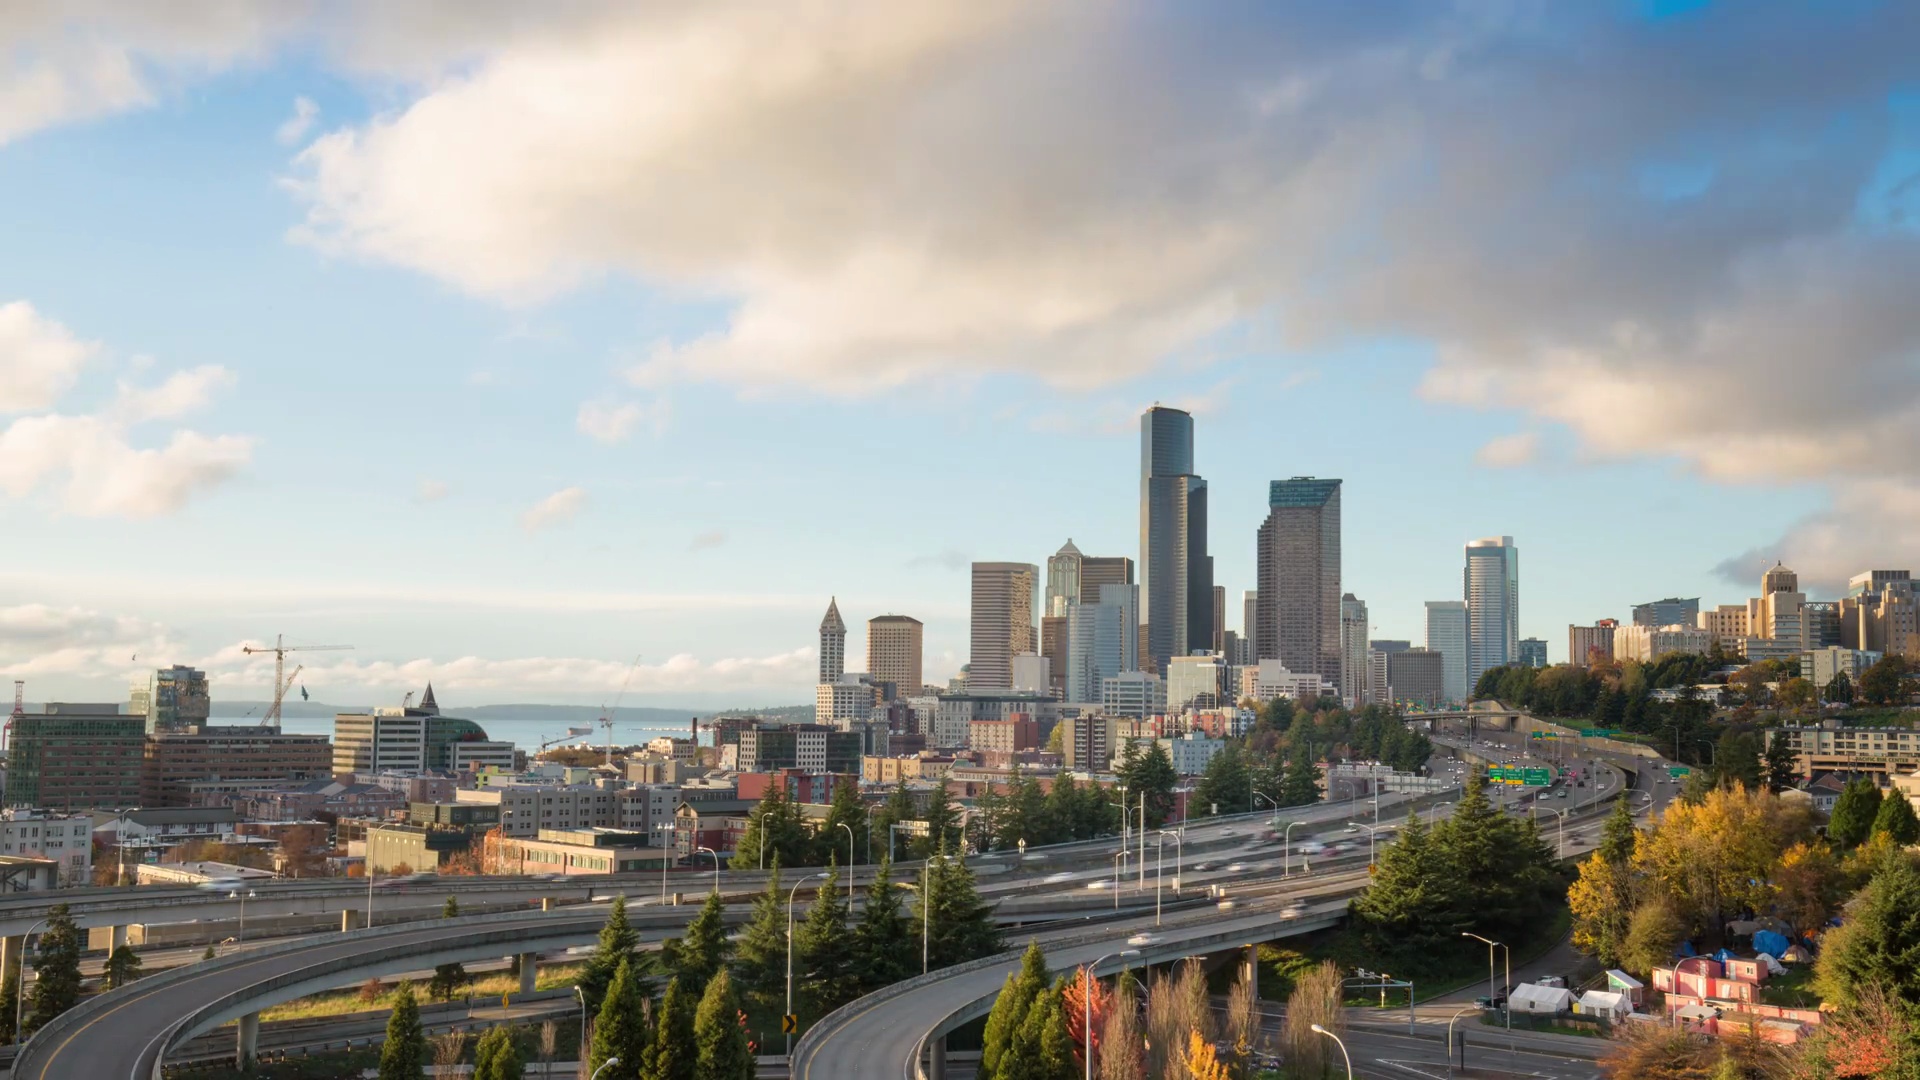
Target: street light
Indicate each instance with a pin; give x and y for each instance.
(1119, 860)
(1433, 811)
(243, 897)
(369, 862)
(849, 829)
(1450, 1021)
(1086, 998)
(1371, 830)
(666, 859)
(716, 865)
(1343, 1048)
(790, 895)
(1286, 849)
(1179, 846)
(1563, 829)
(1270, 802)
(1507, 1009)
(582, 995)
(610, 1062)
(20, 1002)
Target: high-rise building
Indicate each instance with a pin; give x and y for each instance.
(1415, 678)
(1176, 573)
(76, 757)
(1250, 621)
(1102, 641)
(1063, 578)
(1299, 577)
(1492, 581)
(172, 699)
(1198, 681)
(1878, 613)
(1220, 619)
(1003, 601)
(1447, 635)
(1667, 612)
(1533, 652)
(1099, 570)
(894, 649)
(1054, 645)
(410, 739)
(1649, 643)
(1353, 651)
(833, 644)
(1776, 614)
(1727, 624)
(1587, 645)
(1378, 650)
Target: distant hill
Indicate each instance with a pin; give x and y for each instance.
(552, 714)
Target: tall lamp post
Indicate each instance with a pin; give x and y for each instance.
(716, 866)
(1086, 998)
(243, 897)
(1450, 1021)
(850, 840)
(1343, 1048)
(1286, 849)
(1179, 847)
(666, 854)
(1562, 851)
(1372, 830)
(582, 995)
(1263, 795)
(19, 1005)
(790, 895)
(1507, 1008)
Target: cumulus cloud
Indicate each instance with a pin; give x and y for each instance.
(556, 509)
(1509, 451)
(295, 127)
(613, 422)
(555, 675)
(39, 358)
(41, 639)
(177, 395)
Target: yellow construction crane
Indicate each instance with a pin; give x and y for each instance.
(281, 680)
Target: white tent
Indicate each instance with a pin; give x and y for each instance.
(1604, 1003)
(1539, 1000)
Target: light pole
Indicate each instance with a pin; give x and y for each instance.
(1433, 812)
(1179, 847)
(582, 995)
(790, 895)
(1119, 860)
(1506, 1009)
(1371, 831)
(1286, 850)
(1086, 998)
(19, 1005)
(1270, 803)
(1343, 1048)
(243, 898)
(369, 891)
(870, 811)
(1563, 829)
(666, 859)
(609, 1063)
(716, 866)
(850, 841)
(1450, 1021)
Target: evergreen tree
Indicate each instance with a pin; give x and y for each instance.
(450, 909)
(832, 841)
(1840, 690)
(1412, 904)
(879, 959)
(1009, 1011)
(1885, 682)
(123, 966)
(1736, 759)
(1063, 808)
(621, 1029)
(1782, 767)
(1506, 869)
(1854, 813)
(675, 1054)
(1041, 1049)
(1148, 772)
(617, 942)
(958, 925)
(497, 1056)
(56, 966)
(702, 953)
(1227, 787)
(718, 1036)
(897, 810)
(775, 825)
(1300, 783)
(760, 956)
(404, 1055)
(943, 822)
(824, 948)
(1895, 820)
(9, 1003)
(1619, 834)
(1879, 946)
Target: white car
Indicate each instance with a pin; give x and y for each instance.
(1312, 847)
(1102, 883)
(1055, 879)
(1225, 905)
(1234, 868)
(220, 884)
(1294, 910)
(1143, 939)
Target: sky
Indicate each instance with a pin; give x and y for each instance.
(584, 356)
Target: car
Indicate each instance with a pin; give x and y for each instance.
(1102, 883)
(1312, 847)
(1351, 827)
(1225, 905)
(1143, 939)
(1294, 910)
(220, 884)
(1563, 793)
(1201, 867)
(1234, 868)
(1055, 879)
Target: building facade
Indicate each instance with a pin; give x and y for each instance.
(1134, 694)
(1727, 625)
(1533, 652)
(895, 648)
(1822, 666)
(1353, 651)
(1378, 689)
(1176, 573)
(1416, 678)
(76, 757)
(1102, 640)
(1649, 643)
(833, 643)
(1003, 622)
(172, 699)
(1492, 581)
(1271, 679)
(1447, 635)
(1063, 579)
(63, 839)
(1198, 681)
(1667, 612)
(190, 768)
(1299, 577)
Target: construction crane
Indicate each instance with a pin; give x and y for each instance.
(572, 733)
(606, 718)
(281, 682)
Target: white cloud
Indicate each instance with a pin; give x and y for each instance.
(39, 358)
(707, 541)
(43, 640)
(431, 491)
(556, 509)
(611, 422)
(569, 676)
(1509, 451)
(295, 127)
(179, 394)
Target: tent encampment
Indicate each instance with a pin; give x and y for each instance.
(1539, 1000)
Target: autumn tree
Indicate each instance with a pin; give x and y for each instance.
(1079, 1008)
(1316, 999)
(1808, 886)
(1718, 857)
(1119, 1041)
(1654, 932)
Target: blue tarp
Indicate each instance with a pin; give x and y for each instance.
(1686, 948)
(1774, 945)
(1724, 955)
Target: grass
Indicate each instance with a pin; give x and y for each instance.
(1794, 990)
(485, 987)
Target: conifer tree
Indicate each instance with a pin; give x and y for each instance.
(943, 822)
(1041, 1050)
(879, 959)
(760, 956)
(1300, 782)
(56, 966)
(958, 925)
(700, 955)
(621, 1029)
(1619, 835)
(497, 1057)
(824, 948)
(9, 1003)
(123, 966)
(404, 1055)
(1895, 820)
(1009, 1011)
(1854, 813)
(724, 1053)
(618, 940)
(676, 1056)
(831, 841)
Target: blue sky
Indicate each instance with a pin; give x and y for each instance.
(760, 330)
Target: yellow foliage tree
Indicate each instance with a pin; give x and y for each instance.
(1602, 903)
(1201, 1062)
(1719, 856)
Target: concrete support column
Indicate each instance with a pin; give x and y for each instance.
(937, 1059)
(116, 937)
(529, 967)
(546, 903)
(247, 1042)
(1253, 970)
(349, 920)
(11, 950)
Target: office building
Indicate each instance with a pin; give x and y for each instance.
(1299, 577)
(1189, 753)
(75, 757)
(1775, 613)
(1003, 622)
(845, 702)
(1877, 753)
(1447, 635)
(1097, 571)
(1250, 623)
(1136, 694)
(408, 739)
(201, 766)
(1667, 612)
(813, 748)
(1271, 679)
(1378, 689)
(1416, 678)
(1032, 674)
(895, 645)
(1176, 573)
(1649, 643)
(1016, 734)
(575, 852)
(526, 808)
(1588, 645)
(1727, 625)
(1198, 681)
(1102, 640)
(64, 840)
(1063, 579)
(1055, 646)
(1878, 613)
(1220, 619)
(171, 699)
(833, 643)
(1821, 666)
(1533, 652)
(956, 713)
(1353, 651)
(1492, 581)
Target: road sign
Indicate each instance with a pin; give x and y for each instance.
(1678, 771)
(789, 1024)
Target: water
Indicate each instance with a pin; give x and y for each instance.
(525, 734)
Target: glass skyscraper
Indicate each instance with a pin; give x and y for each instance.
(1299, 578)
(1493, 605)
(1176, 573)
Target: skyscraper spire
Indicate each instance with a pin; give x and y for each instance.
(833, 643)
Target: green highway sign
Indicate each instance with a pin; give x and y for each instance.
(1528, 775)
(1678, 771)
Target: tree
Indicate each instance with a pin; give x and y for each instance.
(1085, 999)
(1657, 1052)
(1782, 766)
(1226, 788)
(1119, 1043)
(1879, 945)
(831, 841)
(1885, 682)
(958, 925)
(621, 1029)
(1619, 835)
(943, 822)
(1895, 820)
(774, 833)
(1202, 1062)
(719, 1036)
(1796, 694)
(878, 958)
(897, 810)
(1316, 999)
(1009, 1012)
(1148, 773)
(404, 1054)
(56, 984)
(1504, 871)
(1040, 1048)
(123, 966)
(9, 1003)
(1413, 902)
(1807, 886)
(1601, 903)
(825, 947)
(1840, 690)
(617, 942)
(676, 1055)
(450, 909)
(700, 955)
(1737, 759)
(1854, 813)
(1717, 858)
(1300, 783)
(760, 956)
(1653, 933)
(497, 1056)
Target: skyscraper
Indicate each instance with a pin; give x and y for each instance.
(1447, 635)
(1102, 640)
(1003, 600)
(1064, 570)
(1492, 581)
(1669, 612)
(1299, 577)
(1250, 621)
(1098, 570)
(1353, 651)
(894, 649)
(1219, 616)
(1176, 574)
(833, 643)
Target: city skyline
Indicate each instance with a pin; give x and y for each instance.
(278, 390)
